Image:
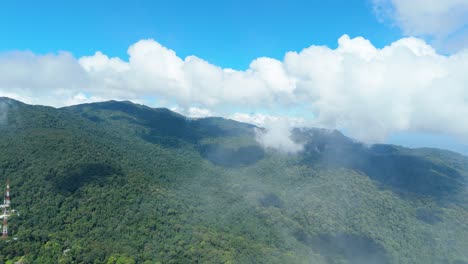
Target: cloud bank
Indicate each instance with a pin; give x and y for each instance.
(368, 92)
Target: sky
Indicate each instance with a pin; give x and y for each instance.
(392, 71)
(226, 33)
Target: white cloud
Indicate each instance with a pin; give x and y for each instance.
(255, 119)
(263, 119)
(277, 130)
(277, 135)
(193, 112)
(196, 112)
(369, 92)
(40, 79)
(81, 98)
(434, 18)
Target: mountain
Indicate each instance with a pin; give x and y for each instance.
(117, 182)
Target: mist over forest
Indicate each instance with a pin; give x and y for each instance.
(234, 132)
(117, 182)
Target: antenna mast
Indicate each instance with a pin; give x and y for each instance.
(6, 210)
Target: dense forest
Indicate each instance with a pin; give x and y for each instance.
(117, 182)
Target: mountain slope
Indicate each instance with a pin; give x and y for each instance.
(115, 181)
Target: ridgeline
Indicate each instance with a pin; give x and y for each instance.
(117, 182)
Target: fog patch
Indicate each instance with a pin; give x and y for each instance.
(345, 248)
(277, 135)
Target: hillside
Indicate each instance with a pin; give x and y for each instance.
(117, 182)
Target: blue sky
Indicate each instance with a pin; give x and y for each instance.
(226, 33)
(381, 75)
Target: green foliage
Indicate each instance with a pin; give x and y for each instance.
(122, 183)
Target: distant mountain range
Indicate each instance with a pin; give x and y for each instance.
(117, 182)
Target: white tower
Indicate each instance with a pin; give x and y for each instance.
(6, 210)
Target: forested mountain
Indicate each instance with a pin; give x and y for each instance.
(117, 182)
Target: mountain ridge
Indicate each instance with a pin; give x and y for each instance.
(313, 129)
(128, 183)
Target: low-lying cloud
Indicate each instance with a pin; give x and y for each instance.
(277, 135)
(369, 92)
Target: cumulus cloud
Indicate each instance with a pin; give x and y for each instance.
(369, 92)
(255, 119)
(262, 120)
(193, 112)
(434, 18)
(40, 78)
(196, 112)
